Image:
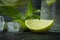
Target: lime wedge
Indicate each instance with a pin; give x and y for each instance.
(36, 25)
(50, 2)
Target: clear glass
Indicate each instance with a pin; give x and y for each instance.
(13, 12)
(56, 27)
(48, 12)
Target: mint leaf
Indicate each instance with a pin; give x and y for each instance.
(10, 12)
(32, 11)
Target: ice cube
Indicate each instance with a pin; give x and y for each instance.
(13, 26)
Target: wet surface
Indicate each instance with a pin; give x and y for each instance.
(29, 36)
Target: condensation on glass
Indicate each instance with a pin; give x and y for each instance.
(49, 13)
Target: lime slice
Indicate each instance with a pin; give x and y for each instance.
(50, 2)
(36, 25)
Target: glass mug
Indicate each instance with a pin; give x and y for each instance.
(12, 10)
(56, 27)
(48, 12)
